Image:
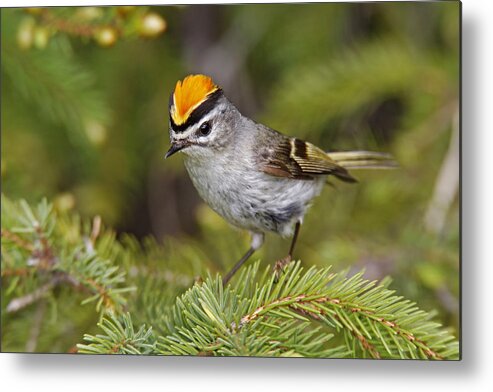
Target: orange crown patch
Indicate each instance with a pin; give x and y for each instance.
(189, 94)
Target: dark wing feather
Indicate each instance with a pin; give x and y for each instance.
(294, 158)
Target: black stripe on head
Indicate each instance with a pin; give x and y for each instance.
(198, 113)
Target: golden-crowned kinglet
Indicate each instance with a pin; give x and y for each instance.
(254, 177)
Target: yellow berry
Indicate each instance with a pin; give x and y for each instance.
(89, 13)
(33, 10)
(25, 34)
(152, 25)
(125, 9)
(41, 37)
(64, 201)
(106, 36)
(96, 133)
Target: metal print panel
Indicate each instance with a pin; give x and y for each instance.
(265, 180)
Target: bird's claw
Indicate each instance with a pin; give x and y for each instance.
(279, 267)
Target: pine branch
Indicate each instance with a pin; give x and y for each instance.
(35, 248)
(292, 312)
(260, 317)
(57, 88)
(356, 78)
(120, 338)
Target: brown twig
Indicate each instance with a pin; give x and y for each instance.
(45, 255)
(301, 299)
(19, 303)
(69, 27)
(367, 345)
(446, 185)
(21, 242)
(96, 229)
(16, 271)
(108, 302)
(36, 328)
(83, 30)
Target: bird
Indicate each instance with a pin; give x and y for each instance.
(255, 177)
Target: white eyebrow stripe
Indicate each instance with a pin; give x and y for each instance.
(186, 134)
(183, 135)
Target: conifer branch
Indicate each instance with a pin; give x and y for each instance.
(8, 235)
(293, 312)
(18, 303)
(120, 338)
(67, 26)
(260, 317)
(34, 247)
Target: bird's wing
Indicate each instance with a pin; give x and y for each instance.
(294, 158)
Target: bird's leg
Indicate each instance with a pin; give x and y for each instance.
(295, 237)
(280, 264)
(237, 266)
(256, 243)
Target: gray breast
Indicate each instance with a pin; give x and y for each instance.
(250, 199)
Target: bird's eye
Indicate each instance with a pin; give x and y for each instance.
(205, 128)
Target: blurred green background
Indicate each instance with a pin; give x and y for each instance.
(85, 124)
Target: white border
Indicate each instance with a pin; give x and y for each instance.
(78, 373)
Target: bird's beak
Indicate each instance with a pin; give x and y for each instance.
(175, 147)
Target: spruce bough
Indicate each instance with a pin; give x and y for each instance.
(298, 312)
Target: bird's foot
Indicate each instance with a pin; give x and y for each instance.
(279, 267)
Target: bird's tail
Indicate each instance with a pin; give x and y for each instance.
(363, 160)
